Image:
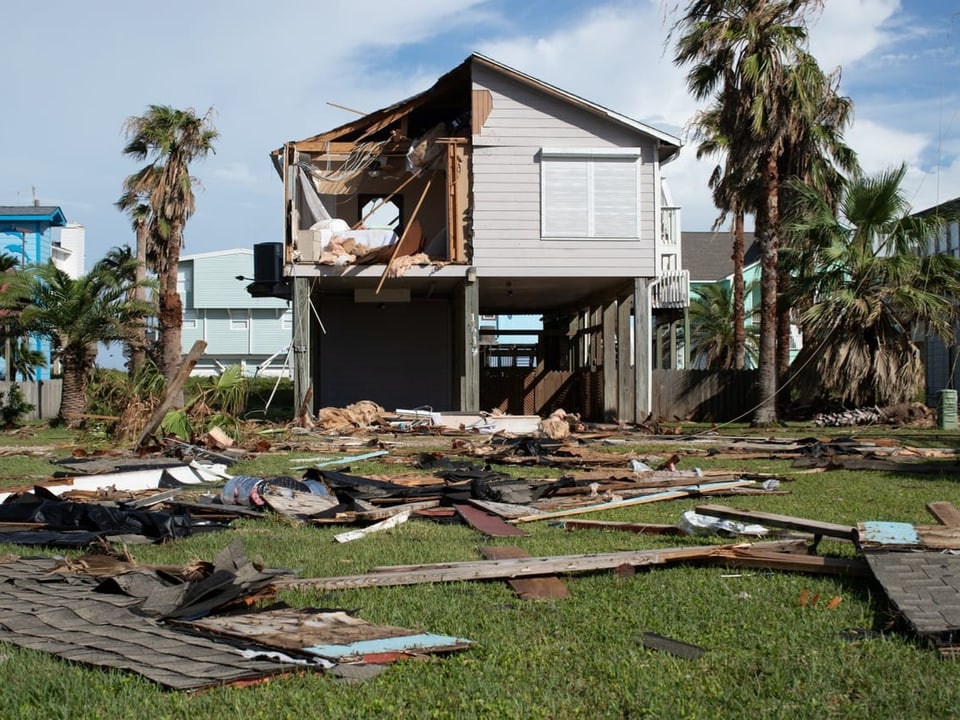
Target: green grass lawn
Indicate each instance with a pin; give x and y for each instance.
(767, 656)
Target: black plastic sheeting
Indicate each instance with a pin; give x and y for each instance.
(64, 523)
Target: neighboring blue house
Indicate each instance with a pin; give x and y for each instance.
(238, 329)
(25, 233)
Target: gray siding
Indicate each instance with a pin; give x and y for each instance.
(506, 188)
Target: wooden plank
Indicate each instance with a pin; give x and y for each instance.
(750, 557)
(505, 510)
(173, 389)
(381, 513)
(844, 532)
(642, 500)
(300, 505)
(939, 537)
(406, 229)
(641, 528)
(945, 513)
(500, 569)
(390, 522)
(538, 588)
(488, 524)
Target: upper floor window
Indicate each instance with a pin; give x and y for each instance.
(239, 320)
(185, 284)
(590, 192)
(189, 319)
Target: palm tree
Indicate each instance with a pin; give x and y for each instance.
(741, 52)
(815, 156)
(136, 205)
(713, 344)
(730, 198)
(170, 139)
(873, 288)
(76, 315)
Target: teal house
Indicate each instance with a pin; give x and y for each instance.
(253, 332)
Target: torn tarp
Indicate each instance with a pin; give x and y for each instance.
(65, 523)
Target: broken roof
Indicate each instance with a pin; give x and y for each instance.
(453, 88)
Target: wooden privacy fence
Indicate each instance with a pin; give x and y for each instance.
(699, 395)
(44, 395)
(704, 395)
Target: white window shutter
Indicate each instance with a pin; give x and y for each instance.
(615, 198)
(565, 197)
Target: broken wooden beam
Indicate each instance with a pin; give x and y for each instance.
(548, 587)
(751, 557)
(946, 513)
(643, 499)
(499, 569)
(815, 527)
(173, 390)
(641, 528)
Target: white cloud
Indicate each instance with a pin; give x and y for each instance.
(235, 172)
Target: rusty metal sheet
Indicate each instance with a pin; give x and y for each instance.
(533, 588)
(488, 524)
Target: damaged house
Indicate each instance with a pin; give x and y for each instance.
(489, 194)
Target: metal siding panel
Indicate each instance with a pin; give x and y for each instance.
(215, 283)
(269, 336)
(220, 338)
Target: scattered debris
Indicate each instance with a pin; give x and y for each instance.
(135, 620)
(653, 641)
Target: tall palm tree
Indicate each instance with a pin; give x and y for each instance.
(816, 156)
(136, 205)
(171, 140)
(730, 196)
(741, 52)
(76, 314)
(712, 329)
(873, 287)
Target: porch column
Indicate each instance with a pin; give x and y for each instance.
(642, 348)
(610, 361)
(626, 410)
(466, 333)
(301, 349)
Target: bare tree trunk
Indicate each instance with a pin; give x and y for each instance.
(783, 335)
(768, 225)
(138, 344)
(739, 293)
(170, 315)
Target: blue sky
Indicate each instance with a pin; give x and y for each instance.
(75, 71)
